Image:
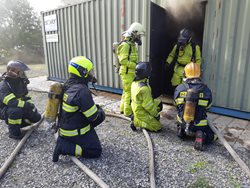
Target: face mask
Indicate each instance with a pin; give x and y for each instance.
(138, 40)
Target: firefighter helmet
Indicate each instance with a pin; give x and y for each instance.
(192, 70)
(142, 70)
(135, 29)
(184, 37)
(16, 68)
(80, 66)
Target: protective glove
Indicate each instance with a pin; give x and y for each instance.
(29, 106)
(158, 117)
(160, 107)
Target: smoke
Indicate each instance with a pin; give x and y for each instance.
(184, 10)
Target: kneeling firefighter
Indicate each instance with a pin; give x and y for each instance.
(146, 110)
(16, 106)
(193, 98)
(79, 115)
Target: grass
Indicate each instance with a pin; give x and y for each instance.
(200, 182)
(197, 166)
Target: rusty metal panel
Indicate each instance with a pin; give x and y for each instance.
(226, 52)
(89, 29)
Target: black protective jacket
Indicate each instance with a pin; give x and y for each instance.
(204, 101)
(78, 108)
(13, 92)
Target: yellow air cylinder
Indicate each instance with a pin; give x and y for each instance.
(190, 105)
(53, 102)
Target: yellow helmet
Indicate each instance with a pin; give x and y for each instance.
(192, 70)
(80, 66)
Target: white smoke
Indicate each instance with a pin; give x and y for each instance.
(183, 10)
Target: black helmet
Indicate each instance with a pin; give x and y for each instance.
(184, 37)
(16, 69)
(142, 70)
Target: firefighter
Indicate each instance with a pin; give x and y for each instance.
(183, 53)
(146, 110)
(79, 115)
(128, 58)
(16, 106)
(193, 98)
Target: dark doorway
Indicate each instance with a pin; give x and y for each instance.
(164, 32)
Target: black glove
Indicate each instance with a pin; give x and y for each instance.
(100, 118)
(29, 106)
(158, 117)
(160, 107)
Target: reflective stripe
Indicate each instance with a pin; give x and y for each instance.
(69, 108)
(149, 104)
(90, 111)
(78, 150)
(179, 119)
(20, 103)
(8, 98)
(183, 94)
(202, 123)
(202, 102)
(15, 121)
(179, 101)
(201, 95)
(70, 133)
(65, 97)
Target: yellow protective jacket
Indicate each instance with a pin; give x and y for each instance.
(145, 108)
(185, 55)
(128, 56)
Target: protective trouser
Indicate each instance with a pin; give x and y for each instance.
(178, 75)
(16, 118)
(147, 121)
(87, 145)
(125, 105)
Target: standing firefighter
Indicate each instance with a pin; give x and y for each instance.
(192, 99)
(183, 53)
(128, 57)
(79, 115)
(146, 110)
(16, 107)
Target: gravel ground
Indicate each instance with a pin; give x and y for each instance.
(124, 162)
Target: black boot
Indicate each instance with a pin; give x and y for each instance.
(58, 150)
(199, 141)
(63, 147)
(132, 126)
(180, 132)
(15, 132)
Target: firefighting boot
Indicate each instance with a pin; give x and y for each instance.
(199, 141)
(180, 132)
(15, 132)
(132, 126)
(58, 150)
(63, 147)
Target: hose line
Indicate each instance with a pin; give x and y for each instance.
(150, 148)
(11, 158)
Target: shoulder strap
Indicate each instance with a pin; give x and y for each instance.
(130, 48)
(193, 51)
(141, 84)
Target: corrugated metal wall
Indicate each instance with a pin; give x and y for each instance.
(226, 53)
(89, 29)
